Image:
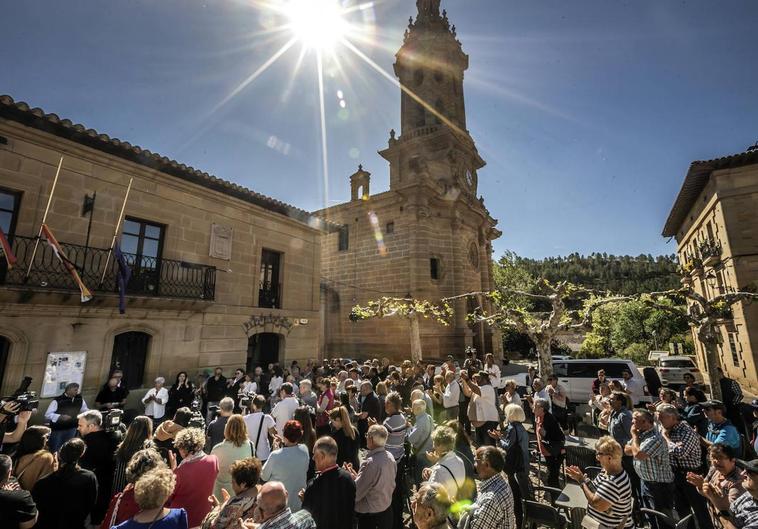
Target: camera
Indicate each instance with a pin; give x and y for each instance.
(27, 400)
(246, 400)
(112, 420)
(197, 420)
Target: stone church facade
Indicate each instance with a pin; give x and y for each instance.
(429, 236)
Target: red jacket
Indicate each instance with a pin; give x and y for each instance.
(127, 507)
(194, 483)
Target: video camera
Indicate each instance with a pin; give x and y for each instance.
(27, 400)
(197, 420)
(246, 400)
(112, 421)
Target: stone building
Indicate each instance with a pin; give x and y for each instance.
(429, 236)
(715, 222)
(221, 275)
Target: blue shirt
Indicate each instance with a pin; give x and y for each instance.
(175, 519)
(724, 433)
(620, 426)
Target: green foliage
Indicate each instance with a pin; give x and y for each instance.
(637, 353)
(621, 275)
(404, 308)
(617, 327)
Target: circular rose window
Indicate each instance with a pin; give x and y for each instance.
(473, 255)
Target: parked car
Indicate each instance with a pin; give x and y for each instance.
(671, 370)
(577, 375)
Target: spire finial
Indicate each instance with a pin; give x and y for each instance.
(360, 167)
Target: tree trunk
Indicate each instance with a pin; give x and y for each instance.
(711, 363)
(544, 357)
(416, 353)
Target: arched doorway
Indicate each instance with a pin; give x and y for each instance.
(5, 347)
(129, 355)
(263, 349)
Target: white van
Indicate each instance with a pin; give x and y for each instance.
(577, 375)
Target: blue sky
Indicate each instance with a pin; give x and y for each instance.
(588, 112)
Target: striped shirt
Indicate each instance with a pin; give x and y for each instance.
(397, 427)
(616, 490)
(745, 512)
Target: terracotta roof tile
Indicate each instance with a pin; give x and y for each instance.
(37, 118)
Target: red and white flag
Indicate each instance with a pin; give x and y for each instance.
(7, 251)
(58, 251)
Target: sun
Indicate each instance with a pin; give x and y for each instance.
(317, 24)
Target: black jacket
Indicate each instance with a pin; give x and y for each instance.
(554, 440)
(99, 458)
(65, 498)
(215, 390)
(330, 498)
(372, 406)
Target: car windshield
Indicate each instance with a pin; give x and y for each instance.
(677, 363)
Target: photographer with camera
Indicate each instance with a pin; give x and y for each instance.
(62, 415)
(10, 413)
(99, 458)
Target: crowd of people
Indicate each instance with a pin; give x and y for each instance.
(339, 444)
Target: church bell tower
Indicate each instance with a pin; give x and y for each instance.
(434, 146)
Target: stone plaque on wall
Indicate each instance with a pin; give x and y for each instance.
(221, 242)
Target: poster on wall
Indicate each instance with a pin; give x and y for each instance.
(62, 369)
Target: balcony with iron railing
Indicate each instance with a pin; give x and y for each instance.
(151, 276)
(270, 295)
(710, 252)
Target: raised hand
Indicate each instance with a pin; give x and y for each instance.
(371, 421)
(495, 434)
(171, 460)
(696, 480)
(432, 457)
(426, 474)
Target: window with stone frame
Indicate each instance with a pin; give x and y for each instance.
(9, 205)
(343, 241)
(390, 229)
(734, 348)
(435, 268)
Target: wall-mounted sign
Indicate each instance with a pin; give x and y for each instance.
(62, 369)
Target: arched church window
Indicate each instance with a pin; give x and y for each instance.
(418, 77)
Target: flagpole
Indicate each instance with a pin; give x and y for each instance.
(115, 233)
(44, 218)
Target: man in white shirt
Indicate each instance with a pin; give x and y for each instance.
(448, 469)
(493, 369)
(155, 400)
(285, 409)
(633, 386)
(62, 415)
(259, 427)
(451, 396)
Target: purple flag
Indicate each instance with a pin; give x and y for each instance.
(124, 273)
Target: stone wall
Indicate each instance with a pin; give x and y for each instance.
(727, 211)
(186, 334)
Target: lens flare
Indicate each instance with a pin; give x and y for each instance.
(318, 24)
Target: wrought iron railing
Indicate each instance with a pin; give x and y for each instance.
(269, 295)
(150, 276)
(710, 251)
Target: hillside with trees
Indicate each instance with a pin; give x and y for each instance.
(618, 274)
(626, 328)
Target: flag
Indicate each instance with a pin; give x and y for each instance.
(58, 251)
(7, 252)
(124, 274)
